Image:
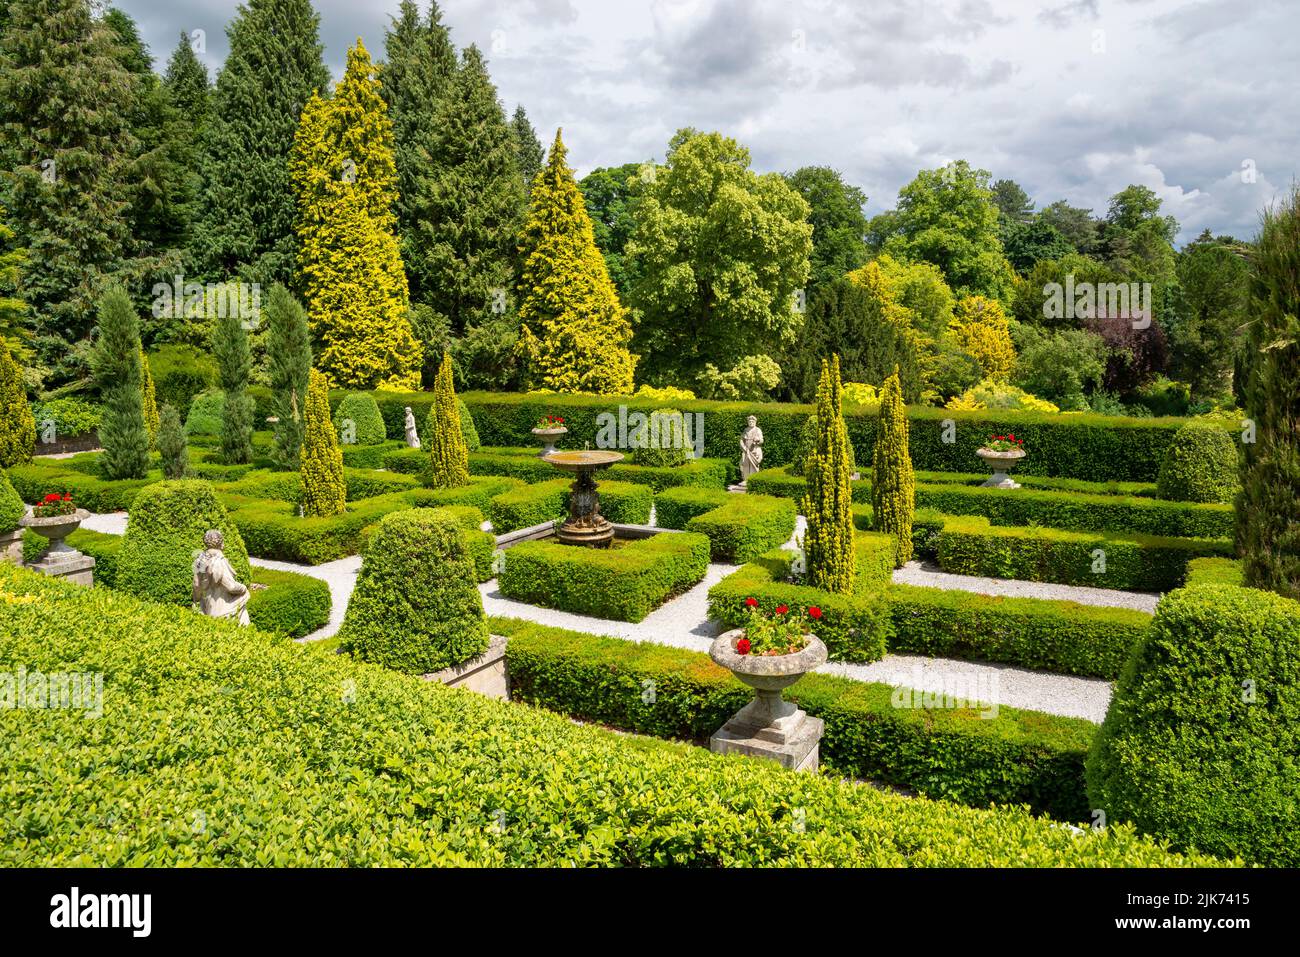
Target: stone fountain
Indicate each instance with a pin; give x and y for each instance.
(585, 525)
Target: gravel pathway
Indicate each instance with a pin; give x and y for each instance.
(925, 573)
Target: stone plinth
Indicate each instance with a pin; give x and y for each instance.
(70, 565)
(485, 674)
(793, 742)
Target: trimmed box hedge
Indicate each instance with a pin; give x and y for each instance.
(32, 483)
(529, 505)
(397, 771)
(972, 546)
(739, 527)
(1017, 757)
(1081, 446)
(623, 583)
(1215, 571)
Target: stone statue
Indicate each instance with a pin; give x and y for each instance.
(217, 593)
(751, 450)
(412, 436)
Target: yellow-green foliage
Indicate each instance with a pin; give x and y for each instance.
(577, 330)
(981, 329)
(447, 453)
(998, 395)
(827, 506)
(150, 396)
(357, 298)
(17, 426)
(893, 484)
(324, 491)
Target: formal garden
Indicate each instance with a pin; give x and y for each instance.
(346, 581)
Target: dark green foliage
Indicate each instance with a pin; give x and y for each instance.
(970, 546)
(416, 607)
(1200, 465)
(11, 505)
(1017, 757)
(234, 364)
(336, 810)
(739, 527)
(358, 421)
(530, 505)
(288, 353)
(273, 66)
(1268, 509)
(529, 154)
(17, 424)
(838, 223)
(623, 583)
(1205, 333)
(120, 374)
(207, 413)
(1027, 244)
(168, 521)
(186, 80)
(611, 195)
(180, 372)
(172, 448)
(1199, 745)
(844, 318)
(662, 442)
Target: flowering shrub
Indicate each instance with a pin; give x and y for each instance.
(54, 504)
(550, 422)
(1005, 443)
(782, 633)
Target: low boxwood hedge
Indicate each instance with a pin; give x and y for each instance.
(529, 505)
(32, 482)
(1017, 757)
(972, 546)
(300, 758)
(623, 583)
(739, 527)
(1215, 571)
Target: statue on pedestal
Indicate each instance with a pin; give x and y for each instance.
(412, 436)
(217, 593)
(751, 450)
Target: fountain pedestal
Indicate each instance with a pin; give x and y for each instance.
(585, 525)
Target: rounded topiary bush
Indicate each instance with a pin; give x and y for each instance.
(416, 607)
(207, 413)
(1200, 465)
(663, 440)
(361, 410)
(11, 505)
(1201, 745)
(164, 532)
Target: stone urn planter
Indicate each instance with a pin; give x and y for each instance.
(61, 560)
(1001, 463)
(549, 437)
(769, 726)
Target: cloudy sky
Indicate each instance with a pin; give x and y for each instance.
(1073, 99)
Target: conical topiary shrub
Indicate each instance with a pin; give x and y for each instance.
(807, 444)
(1200, 465)
(358, 422)
(149, 397)
(172, 449)
(448, 457)
(893, 483)
(828, 544)
(167, 523)
(416, 607)
(467, 429)
(324, 490)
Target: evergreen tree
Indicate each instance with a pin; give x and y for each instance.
(469, 245)
(566, 295)
(828, 543)
(172, 447)
(17, 426)
(288, 353)
(324, 491)
(15, 317)
(529, 154)
(420, 63)
(149, 400)
(122, 429)
(1268, 508)
(187, 83)
(893, 483)
(342, 168)
(838, 223)
(234, 365)
(273, 67)
(67, 147)
(446, 440)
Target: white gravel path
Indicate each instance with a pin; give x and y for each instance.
(924, 573)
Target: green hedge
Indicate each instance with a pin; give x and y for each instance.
(854, 627)
(739, 527)
(374, 456)
(971, 546)
(1215, 571)
(480, 545)
(624, 583)
(302, 758)
(529, 505)
(1201, 745)
(33, 482)
(1017, 757)
(1067, 508)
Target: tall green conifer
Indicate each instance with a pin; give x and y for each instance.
(448, 455)
(122, 430)
(828, 543)
(288, 355)
(893, 483)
